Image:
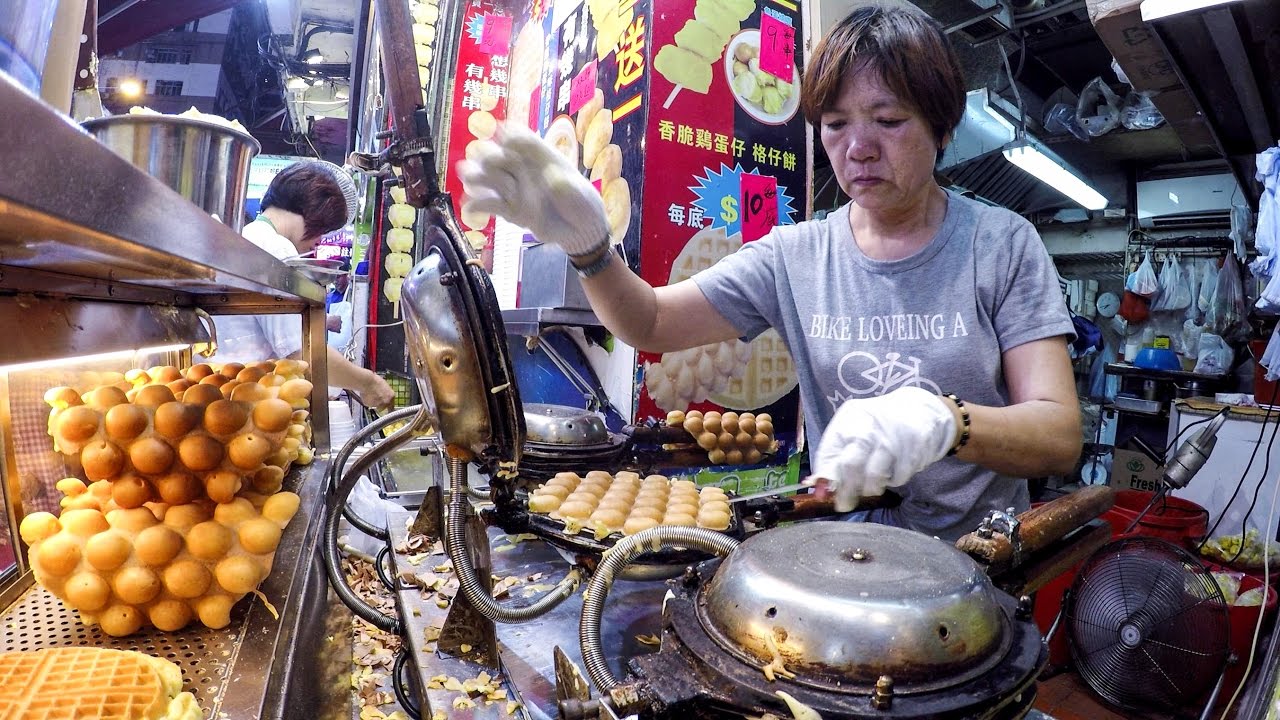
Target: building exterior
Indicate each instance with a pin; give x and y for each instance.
(180, 68)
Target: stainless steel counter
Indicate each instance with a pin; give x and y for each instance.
(633, 609)
(257, 667)
(525, 650)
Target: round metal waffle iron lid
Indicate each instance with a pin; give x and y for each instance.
(843, 603)
(564, 425)
(458, 346)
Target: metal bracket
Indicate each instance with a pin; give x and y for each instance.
(1006, 523)
(464, 625)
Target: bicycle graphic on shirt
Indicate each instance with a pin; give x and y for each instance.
(862, 373)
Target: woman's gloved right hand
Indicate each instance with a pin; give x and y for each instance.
(521, 178)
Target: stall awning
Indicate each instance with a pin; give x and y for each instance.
(122, 23)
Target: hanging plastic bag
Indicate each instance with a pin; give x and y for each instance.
(1143, 281)
(1226, 314)
(1179, 291)
(1134, 308)
(1191, 332)
(1214, 357)
(1271, 356)
(1191, 273)
(1161, 301)
(1139, 113)
(1098, 110)
(1208, 284)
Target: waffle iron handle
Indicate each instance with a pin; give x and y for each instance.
(1000, 548)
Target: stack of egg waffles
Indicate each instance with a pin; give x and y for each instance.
(183, 510)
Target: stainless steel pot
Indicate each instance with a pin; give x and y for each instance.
(205, 163)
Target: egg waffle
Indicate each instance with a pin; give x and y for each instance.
(753, 379)
(94, 683)
(605, 505)
(769, 376)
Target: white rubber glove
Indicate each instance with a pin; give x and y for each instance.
(883, 442)
(524, 180)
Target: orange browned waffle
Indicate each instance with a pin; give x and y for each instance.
(79, 682)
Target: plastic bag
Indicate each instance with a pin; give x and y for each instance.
(1169, 280)
(1143, 281)
(1098, 110)
(1214, 356)
(1061, 120)
(1191, 273)
(1226, 314)
(1134, 308)
(1115, 67)
(367, 503)
(1191, 332)
(1179, 293)
(1139, 113)
(1208, 284)
(1271, 356)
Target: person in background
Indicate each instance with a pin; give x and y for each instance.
(906, 292)
(304, 202)
(335, 296)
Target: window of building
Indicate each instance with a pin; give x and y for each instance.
(168, 88)
(188, 27)
(169, 55)
(111, 86)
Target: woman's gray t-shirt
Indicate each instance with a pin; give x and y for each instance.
(940, 319)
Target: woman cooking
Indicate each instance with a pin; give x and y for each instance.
(907, 273)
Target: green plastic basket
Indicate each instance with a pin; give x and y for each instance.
(406, 395)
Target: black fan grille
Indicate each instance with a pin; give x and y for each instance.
(1148, 625)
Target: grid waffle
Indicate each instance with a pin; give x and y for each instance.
(759, 377)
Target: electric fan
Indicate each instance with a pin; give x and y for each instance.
(1148, 626)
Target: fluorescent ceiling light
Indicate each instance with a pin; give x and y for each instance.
(342, 93)
(1157, 9)
(1055, 175)
(297, 83)
(313, 57)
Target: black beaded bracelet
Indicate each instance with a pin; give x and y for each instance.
(964, 423)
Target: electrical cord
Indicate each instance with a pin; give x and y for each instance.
(1261, 431)
(403, 695)
(1266, 467)
(1266, 590)
(1252, 456)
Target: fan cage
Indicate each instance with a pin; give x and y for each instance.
(1148, 625)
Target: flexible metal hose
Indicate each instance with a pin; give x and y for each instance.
(332, 522)
(340, 461)
(469, 584)
(612, 563)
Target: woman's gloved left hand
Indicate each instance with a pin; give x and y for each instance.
(882, 442)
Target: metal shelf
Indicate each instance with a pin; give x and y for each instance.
(530, 321)
(75, 219)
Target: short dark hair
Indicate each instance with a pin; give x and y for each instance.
(310, 190)
(906, 47)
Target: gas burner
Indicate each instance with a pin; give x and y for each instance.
(873, 621)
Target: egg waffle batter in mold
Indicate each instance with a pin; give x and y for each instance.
(605, 504)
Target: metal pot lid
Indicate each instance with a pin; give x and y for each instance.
(458, 346)
(844, 603)
(564, 425)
